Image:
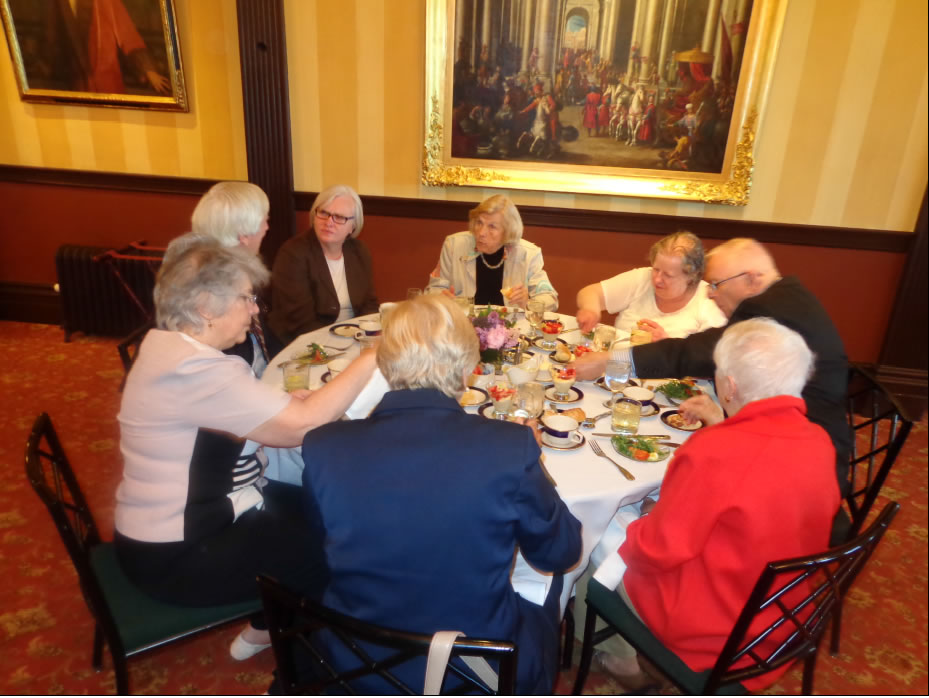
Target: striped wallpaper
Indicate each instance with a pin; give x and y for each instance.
(843, 143)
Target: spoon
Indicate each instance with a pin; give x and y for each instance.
(590, 422)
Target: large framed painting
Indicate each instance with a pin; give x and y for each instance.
(650, 98)
(115, 53)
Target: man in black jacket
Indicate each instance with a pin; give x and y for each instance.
(745, 283)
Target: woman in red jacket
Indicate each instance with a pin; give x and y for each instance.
(756, 487)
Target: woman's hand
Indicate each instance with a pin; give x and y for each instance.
(517, 295)
(587, 319)
(701, 408)
(653, 328)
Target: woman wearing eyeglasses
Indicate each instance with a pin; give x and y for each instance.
(325, 276)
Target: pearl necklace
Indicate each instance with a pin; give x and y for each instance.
(493, 266)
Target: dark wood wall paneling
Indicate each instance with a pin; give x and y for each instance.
(263, 51)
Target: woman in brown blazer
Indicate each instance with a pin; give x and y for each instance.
(324, 275)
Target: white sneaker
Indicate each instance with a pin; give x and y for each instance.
(241, 649)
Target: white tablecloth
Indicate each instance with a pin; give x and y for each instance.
(593, 488)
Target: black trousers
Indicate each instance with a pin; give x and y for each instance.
(221, 569)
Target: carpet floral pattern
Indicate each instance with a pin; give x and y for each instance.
(46, 631)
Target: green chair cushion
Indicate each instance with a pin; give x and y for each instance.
(613, 610)
(144, 622)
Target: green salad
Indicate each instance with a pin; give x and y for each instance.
(314, 354)
(639, 449)
(679, 390)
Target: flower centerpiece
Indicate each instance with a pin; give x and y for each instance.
(495, 334)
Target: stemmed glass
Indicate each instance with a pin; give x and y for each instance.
(535, 311)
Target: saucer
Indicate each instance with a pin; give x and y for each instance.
(473, 397)
(650, 411)
(601, 383)
(574, 396)
(348, 329)
(487, 410)
(572, 447)
(537, 341)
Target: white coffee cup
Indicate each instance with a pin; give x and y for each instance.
(643, 395)
(336, 366)
(561, 430)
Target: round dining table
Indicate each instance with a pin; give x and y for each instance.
(593, 488)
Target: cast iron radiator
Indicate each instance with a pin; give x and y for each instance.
(106, 292)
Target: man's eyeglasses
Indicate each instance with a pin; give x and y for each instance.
(324, 215)
(714, 285)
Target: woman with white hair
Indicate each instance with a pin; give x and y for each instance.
(491, 262)
(195, 520)
(325, 276)
(755, 487)
(235, 213)
(423, 504)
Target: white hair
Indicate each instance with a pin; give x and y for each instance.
(764, 359)
(499, 203)
(428, 343)
(327, 196)
(231, 209)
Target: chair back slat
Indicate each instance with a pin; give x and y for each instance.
(293, 621)
(879, 428)
(827, 575)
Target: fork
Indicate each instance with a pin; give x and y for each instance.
(595, 447)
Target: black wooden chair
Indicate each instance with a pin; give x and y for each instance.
(293, 620)
(129, 347)
(879, 427)
(128, 620)
(798, 627)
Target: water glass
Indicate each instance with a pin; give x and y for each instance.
(626, 414)
(529, 400)
(604, 336)
(616, 375)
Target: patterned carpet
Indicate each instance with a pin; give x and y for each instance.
(46, 632)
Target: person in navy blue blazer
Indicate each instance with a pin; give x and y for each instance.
(422, 505)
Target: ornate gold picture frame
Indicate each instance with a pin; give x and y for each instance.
(113, 53)
(647, 98)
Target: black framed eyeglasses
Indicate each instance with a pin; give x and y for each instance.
(714, 285)
(324, 215)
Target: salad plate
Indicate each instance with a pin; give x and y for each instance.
(641, 450)
(537, 341)
(315, 355)
(674, 420)
(601, 383)
(648, 411)
(679, 390)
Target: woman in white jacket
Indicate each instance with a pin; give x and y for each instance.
(491, 262)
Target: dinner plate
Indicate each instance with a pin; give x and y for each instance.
(473, 397)
(574, 395)
(649, 411)
(572, 447)
(688, 427)
(344, 329)
(663, 452)
(601, 383)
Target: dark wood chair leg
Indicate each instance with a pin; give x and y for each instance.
(809, 670)
(98, 648)
(567, 655)
(121, 670)
(587, 650)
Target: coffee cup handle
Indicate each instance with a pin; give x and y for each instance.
(576, 437)
(359, 334)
